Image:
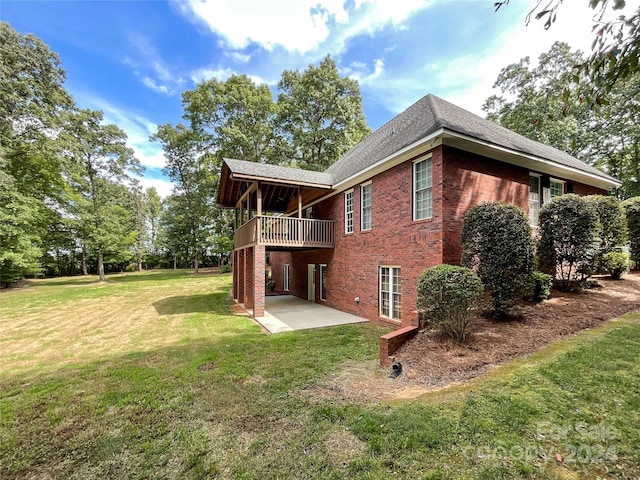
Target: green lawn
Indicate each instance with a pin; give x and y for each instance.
(151, 376)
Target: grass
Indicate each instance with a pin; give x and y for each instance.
(151, 376)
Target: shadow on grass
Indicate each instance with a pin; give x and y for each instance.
(178, 304)
(145, 276)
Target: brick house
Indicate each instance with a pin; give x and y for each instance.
(357, 236)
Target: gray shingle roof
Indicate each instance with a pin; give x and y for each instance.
(277, 172)
(427, 116)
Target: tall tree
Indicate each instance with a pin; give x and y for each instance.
(232, 118)
(153, 210)
(533, 100)
(320, 114)
(539, 102)
(195, 180)
(615, 49)
(101, 158)
(31, 180)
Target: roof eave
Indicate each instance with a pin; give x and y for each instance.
(276, 180)
(532, 162)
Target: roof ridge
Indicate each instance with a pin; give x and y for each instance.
(440, 121)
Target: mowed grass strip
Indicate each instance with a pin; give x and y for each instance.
(217, 398)
(56, 322)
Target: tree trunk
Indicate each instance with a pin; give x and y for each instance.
(175, 261)
(139, 262)
(84, 261)
(195, 262)
(101, 264)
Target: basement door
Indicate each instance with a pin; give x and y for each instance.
(311, 282)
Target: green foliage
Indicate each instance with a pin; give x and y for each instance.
(320, 115)
(568, 239)
(101, 159)
(497, 245)
(541, 102)
(231, 118)
(615, 264)
(632, 211)
(31, 169)
(612, 227)
(539, 286)
(615, 47)
(446, 295)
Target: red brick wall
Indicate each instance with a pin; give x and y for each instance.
(581, 189)
(396, 240)
(470, 180)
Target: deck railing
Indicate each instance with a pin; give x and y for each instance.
(286, 232)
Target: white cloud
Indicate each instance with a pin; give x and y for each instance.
(467, 80)
(359, 71)
(298, 25)
(149, 82)
(163, 187)
(239, 57)
(150, 68)
(203, 74)
(222, 74)
(137, 128)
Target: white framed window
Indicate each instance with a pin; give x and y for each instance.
(348, 212)
(422, 189)
(390, 292)
(556, 188)
(285, 276)
(534, 199)
(323, 282)
(365, 206)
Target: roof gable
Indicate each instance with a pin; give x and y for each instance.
(430, 115)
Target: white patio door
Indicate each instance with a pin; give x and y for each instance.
(311, 282)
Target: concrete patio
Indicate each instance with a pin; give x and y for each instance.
(285, 313)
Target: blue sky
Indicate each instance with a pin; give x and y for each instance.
(133, 59)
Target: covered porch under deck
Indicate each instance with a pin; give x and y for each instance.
(270, 204)
(285, 313)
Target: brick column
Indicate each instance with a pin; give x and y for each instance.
(241, 275)
(248, 278)
(234, 266)
(259, 269)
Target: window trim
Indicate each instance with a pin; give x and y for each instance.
(370, 206)
(323, 281)
(534, 222)
(414, 191)
(286, 279)
(392, 292)
(561, 182)
(349, 214)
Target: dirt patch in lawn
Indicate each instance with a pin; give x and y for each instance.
(432, 361)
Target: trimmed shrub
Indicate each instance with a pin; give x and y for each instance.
(539, 286)
(446, 295)
(632, 210)
(612, 227)
(568, 239)
(615, 264)
(498, 246)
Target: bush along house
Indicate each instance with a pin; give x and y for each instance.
(357, 236)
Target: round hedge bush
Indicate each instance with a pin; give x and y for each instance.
(446, 295)
(498, 246)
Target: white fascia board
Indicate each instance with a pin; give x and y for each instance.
(392, 160)
(531, 162)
